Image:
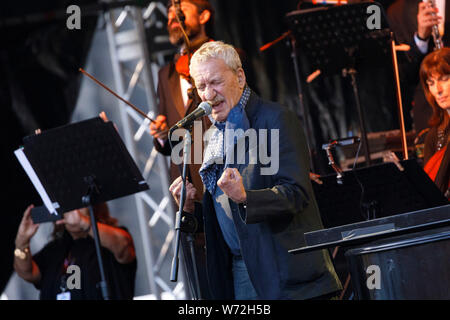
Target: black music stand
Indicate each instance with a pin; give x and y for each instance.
(79, 165)
(337, 40)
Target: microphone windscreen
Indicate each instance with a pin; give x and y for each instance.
(206, 107)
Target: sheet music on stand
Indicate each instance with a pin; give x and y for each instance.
(26, 165)
(79, 165)
(58, 161)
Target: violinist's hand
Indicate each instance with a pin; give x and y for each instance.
(159, 128)
(191, 192)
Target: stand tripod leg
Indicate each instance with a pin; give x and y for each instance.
(103, 284)
(362, 121)
(303, 108)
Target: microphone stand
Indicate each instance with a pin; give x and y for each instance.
(178, 219)
(88, 200)
(303, 108)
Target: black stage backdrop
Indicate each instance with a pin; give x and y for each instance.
(39, 84)
(251, 24)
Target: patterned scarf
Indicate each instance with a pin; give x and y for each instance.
(218, 144)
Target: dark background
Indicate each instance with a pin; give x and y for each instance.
(39, 84)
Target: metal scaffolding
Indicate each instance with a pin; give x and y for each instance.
(134, 75)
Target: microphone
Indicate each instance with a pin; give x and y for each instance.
(341, 142)
(203, 109)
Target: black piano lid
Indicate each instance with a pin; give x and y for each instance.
(376, 229)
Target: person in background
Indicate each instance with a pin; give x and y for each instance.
(412, 22)
(435, 79)
(177, 97)
(73, 244)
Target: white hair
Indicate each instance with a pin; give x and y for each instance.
(217, 50)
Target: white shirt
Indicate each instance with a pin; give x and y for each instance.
(184, 85)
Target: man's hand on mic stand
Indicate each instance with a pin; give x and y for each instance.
(159, 128)
(191, 192)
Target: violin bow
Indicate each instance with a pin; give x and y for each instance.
(116, 95)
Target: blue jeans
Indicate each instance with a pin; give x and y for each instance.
(243, 288)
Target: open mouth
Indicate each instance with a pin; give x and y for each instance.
(215, 104)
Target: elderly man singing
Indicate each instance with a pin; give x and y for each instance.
(255, 207)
